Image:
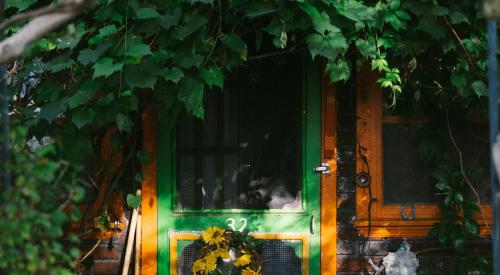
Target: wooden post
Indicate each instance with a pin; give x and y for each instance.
(138, 233)
(130, 240)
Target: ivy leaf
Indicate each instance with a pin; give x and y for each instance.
(403, 15)
(234, 42)
(52, 110)
(321, 21)
(173, 74)
(106, 67)
(480, 88)
(82, 116)
(146, 13)
(124, 123)
(394, 21)
(459, 244)
(440, 10)
(70, 40)
(366, 48)
(328, 46)
(142, 75)
(379, 64)
(107, 30)
(138, 50)
(213, 76)
(88, 56)
(86, 92)
(133, 201)
(471, 226)
(457, 17)
(21, 5)
(191, 94)
(338, 71)
(355, 10)
(59, 63)
(429, 25)
(193, 23)
(458, 80)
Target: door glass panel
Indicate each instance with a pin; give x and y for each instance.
(246, 153)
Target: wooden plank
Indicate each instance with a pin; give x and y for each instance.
(328, 181)
(149, 249)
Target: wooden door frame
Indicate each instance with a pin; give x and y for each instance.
(328, 206)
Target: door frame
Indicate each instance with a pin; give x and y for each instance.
(328, 198)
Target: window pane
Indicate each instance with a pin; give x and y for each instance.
(406, 179)
(246, 153)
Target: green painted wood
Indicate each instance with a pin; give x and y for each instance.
(275, 220)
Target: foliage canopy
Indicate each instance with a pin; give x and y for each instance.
(105, 69)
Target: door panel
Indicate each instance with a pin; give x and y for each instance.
(252, 172)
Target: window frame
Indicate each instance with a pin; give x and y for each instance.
(386, 220)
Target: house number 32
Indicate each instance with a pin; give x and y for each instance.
(231, 223)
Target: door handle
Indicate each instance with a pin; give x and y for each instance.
(312, 225)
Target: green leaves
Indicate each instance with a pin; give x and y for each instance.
(106, 67)
(146, 13)
(138, 50)
(193, 23)
(21, 5)
(234, 42)
(173, 74)
(124, 123)
(191, 94)
(213, 76)
(133, 201)
(328, 46)
(321, 21)
(479, 88)
(83, 116)
(143, 75)
(338, 71)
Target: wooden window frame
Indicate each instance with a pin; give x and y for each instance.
(385, 220)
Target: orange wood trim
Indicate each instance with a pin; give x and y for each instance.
(149, 206)
(407, 120)
(386, 219)
(328, 182)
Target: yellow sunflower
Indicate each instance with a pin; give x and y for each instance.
(222, 252)
(243, 260)
(249, 271)
(213, 235)
(205, 265)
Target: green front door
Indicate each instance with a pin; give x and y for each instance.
(247, 165)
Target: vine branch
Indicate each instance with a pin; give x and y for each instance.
(462, 171)
(45, 20)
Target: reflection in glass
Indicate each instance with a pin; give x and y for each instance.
(246, 153)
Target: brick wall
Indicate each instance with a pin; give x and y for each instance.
(349, 243)
(107, 258)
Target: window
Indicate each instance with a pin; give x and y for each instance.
(246, 153)
(402, 190)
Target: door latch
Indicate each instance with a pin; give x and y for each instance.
(323, 169)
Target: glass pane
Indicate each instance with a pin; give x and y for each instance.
(246, 153)
(279, 257)
(405, 178)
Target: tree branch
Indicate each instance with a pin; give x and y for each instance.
(46, 20)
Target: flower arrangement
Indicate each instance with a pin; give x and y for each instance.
(218, 245)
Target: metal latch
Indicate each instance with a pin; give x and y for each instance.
(323, 169)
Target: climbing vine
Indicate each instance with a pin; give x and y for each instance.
(89, 83)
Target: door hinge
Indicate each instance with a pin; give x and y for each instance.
(323, 169)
